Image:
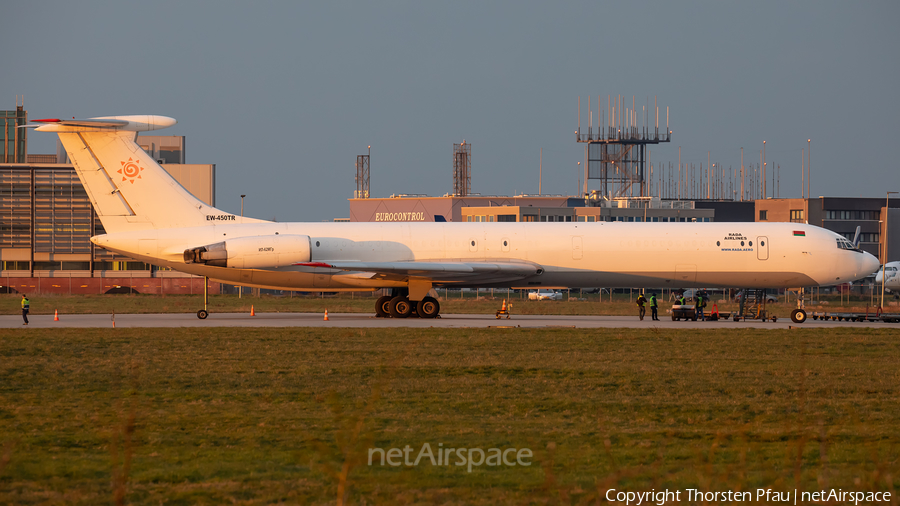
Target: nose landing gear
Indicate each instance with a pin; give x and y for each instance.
(799, 315)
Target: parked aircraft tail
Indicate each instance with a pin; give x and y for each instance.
(128, 189)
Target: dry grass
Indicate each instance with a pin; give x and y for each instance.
(253, 416)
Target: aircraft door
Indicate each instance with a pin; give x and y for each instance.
(577, 247)
(762, 248)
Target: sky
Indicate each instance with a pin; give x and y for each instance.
(282, 96)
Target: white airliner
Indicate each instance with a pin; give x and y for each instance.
(150, 217)
(892, 282)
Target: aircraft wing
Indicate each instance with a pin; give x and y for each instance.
(442, 271)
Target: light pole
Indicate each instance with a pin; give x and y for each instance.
(765, 190)
(808, 173)
(884, 249)
(579, 177)
(241, 288)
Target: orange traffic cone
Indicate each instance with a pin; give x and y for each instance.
(326, 315)
(504, 305)
(252, 313)
(56, 315)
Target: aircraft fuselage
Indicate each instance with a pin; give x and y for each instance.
(578, 254)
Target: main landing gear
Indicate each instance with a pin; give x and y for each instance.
(398, 305)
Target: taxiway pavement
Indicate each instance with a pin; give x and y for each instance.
(362, 320)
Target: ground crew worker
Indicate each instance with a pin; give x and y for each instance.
(701, 303)
(680, 300)
(653, 306)
(25, 304)
(640, 302)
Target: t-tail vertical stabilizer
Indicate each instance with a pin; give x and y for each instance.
(128, 189)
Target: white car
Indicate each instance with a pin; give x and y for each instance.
(544, 295)
(752, 297)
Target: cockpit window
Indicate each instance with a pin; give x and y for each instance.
(844, 243)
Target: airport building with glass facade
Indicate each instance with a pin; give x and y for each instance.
(46, 222)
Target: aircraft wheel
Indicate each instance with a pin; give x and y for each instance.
(381, 307)
(429, 307)
(798, 316)
(400, 307)
(202, 314)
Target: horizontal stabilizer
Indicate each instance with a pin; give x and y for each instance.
(141, 123)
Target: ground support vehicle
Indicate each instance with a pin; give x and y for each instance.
(686, 311)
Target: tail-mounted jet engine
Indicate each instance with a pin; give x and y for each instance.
(257, 252)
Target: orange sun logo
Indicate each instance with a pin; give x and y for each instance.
(131, 170)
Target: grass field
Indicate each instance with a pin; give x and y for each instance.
(259, 416)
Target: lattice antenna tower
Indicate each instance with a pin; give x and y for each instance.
(462, 169)
(362, 175)
(616, 152)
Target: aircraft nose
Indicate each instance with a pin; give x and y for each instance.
(868, 264)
